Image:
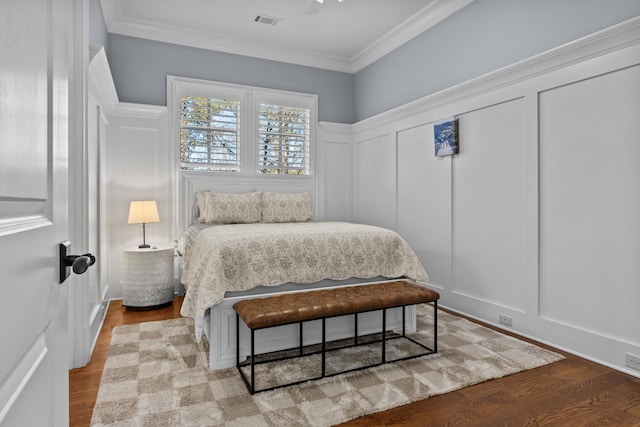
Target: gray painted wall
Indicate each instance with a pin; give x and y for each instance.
(140, 68)
(482, 37)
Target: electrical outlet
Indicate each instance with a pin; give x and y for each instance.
(632, 361)
(505, 320)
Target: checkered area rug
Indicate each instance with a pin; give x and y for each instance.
(156, 375)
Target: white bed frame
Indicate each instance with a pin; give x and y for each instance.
(220, 320)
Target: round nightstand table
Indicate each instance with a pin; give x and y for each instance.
(147, 277)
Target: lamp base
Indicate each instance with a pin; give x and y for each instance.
(144, 246)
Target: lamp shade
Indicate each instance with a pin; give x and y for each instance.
(143, 212)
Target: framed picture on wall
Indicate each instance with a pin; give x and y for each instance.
(445, 136)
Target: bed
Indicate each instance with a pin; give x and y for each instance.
(256, 243)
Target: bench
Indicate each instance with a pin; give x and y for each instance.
(300, 307)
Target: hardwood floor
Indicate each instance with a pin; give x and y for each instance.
(84, 382)
(572, 392)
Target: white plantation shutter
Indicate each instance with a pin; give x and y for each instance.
(209, 133)
(283, 139)
(224, 127)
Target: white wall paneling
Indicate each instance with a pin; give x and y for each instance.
(88, 297)
(375, 182)
(424, 200)
(488, 206)
(139, 169)
(334, 171)
(536, 217)
(590, 203)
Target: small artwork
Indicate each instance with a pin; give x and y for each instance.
(445, 133)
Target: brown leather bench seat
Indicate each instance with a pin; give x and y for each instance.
(296, 307)
(300, 307)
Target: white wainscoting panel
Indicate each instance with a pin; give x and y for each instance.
(537, 216)
(488, 205)
(334, 172)
(424, 201)
(139, 169)
(376, 181)
(590, 204)
(335, 184)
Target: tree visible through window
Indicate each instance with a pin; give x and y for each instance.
(283, 146)
(251, 131)
(209, 133)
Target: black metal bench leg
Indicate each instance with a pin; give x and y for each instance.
(384, 335)
(404, 329)
(301, 338)
(253, 363)
(356, 328)
(324, 340)
(237, 340)
(435, 326)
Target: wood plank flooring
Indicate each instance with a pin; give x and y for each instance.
(572, 392)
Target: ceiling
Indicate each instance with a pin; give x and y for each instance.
(338, 35)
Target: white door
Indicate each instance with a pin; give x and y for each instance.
(36, 57)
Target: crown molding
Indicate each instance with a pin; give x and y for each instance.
(429, 16)
(615, 38)
(179, 36)
(412, 27)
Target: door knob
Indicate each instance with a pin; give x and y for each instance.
(78, 263)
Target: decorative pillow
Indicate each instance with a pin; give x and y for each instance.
(229, 208)
(286, 207)
(202, 199)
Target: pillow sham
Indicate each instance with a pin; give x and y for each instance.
(286, 207)
(202, 199)
(229, 208)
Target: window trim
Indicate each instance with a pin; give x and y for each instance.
(250, 98)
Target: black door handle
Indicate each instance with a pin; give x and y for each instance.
(78, 263)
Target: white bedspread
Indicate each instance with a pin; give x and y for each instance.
(242, 256)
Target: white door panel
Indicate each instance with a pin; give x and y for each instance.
(35, 69)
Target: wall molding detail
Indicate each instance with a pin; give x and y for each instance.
(477, 219)
(586, 48)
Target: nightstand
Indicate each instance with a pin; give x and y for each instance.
(147, 278)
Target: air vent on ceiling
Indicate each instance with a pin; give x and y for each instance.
(264, 19)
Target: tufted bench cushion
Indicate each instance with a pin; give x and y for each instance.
(296, 307)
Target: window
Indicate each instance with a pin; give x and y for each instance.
(283, 146)
(253, 131)
(209, 133)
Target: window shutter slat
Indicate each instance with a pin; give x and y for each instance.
(283, 140)
(209, 133)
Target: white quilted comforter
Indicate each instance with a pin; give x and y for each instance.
(242, 256)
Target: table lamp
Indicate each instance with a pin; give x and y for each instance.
(143, 212)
